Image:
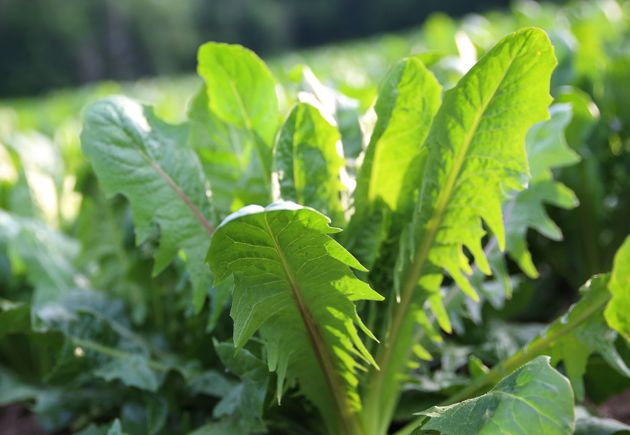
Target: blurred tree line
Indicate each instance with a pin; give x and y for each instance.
(56, 43)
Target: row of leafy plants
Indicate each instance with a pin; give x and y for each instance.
(179, 306)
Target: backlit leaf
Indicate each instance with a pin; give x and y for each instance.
(293, 283)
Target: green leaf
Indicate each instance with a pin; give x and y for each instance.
(582, 331)
(224, 427)
(294, 284)
(115, 429)
(241, 91)
(243, 402)
(229, 157)
(476, 156)
(14, 317)
(344, 110)
(394, 159)
(46, 255)
(618, 309)
(547, 147)
(307, 162)
(533, 399)
(12, 390)
(131, 370)
(146, 160)
(38, 192)
(546, 150)
(569, 340)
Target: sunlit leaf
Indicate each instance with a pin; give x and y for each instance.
(293, 283)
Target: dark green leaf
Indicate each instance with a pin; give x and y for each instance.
(533, 399)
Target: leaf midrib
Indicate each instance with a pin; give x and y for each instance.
(174, 186)
(318, 343)
(434, 222)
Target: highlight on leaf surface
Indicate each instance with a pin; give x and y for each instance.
(533, 399)
(393, 164)
(475, 158)
(133, 152)
(294, 284)
(476, 153)
(307, 162)
(242, 92)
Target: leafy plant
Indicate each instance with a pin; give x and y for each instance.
(357, 280)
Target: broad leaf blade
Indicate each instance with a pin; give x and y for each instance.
(241, 91)
(294, 284)
(533, 399)
(477, 153)
(48, 256)
(243, 402)
(476, 156)
(307, 162)
(146, 160)
(394, 159)
(229, 157)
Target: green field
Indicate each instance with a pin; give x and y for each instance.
(478, 171)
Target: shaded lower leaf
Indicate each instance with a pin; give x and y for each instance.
(242, 402)
(132, 370)
(581, 332)
(533, 399)
(586, 424)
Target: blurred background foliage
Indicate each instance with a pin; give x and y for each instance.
(48, 44)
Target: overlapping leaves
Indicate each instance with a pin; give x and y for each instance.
(307, 163)
(476, 156)
(392, 167)
(133, 152)
(582, 331)
(618, 310)
(294, 284)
